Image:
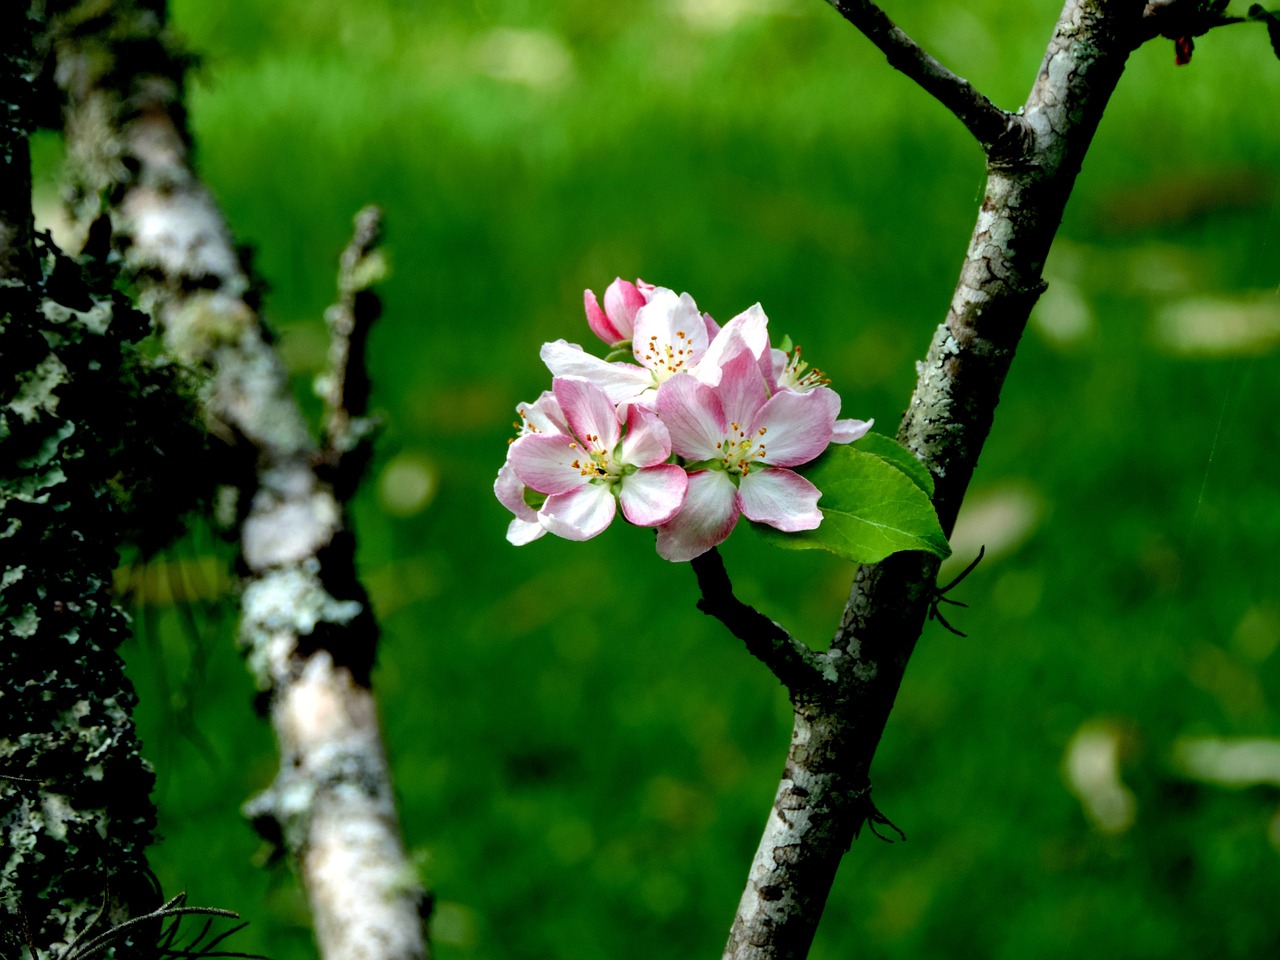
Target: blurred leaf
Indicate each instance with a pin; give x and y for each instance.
(872, 506)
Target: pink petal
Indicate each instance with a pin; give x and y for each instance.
(621, 301)
(693, 416)
(653, 495)
(524, 527)
(670, 335)
(590, 413)
(546, 463)
(509, 489)
(619, 381)
(846, 431)
(708, 516)
(780, 498)
(742, 389)
(798, 425)
(647, 441)
(579, 514)
(598, 320)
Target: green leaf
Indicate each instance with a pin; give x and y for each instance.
(887, 448)
(871, 506)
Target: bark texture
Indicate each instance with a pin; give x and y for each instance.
(75, 809)
(824, 796)
(306, 625)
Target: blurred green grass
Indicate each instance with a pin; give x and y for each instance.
(584, 762)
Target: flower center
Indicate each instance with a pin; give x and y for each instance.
(665, 360)
(740, 449)
(797, 375)
(597, 464)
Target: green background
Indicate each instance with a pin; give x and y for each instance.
(583, 761)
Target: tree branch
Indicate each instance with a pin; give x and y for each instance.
(815, 816)
(799, 668)
(305, 623)
(998, 131)
(346, 385)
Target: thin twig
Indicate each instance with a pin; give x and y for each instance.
(996, 130)
(796, 665)
(346, 393)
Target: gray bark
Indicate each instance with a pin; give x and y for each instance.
(1033, 159)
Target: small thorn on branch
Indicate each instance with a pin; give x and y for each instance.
(940, 594)
(866, 812)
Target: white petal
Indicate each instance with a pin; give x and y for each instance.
(520, 532)
(619, 381)
(846, 431)
(579, 514)
(543, 415)
(653, 495)
(781, 498)
(709, 513)
(751, 327)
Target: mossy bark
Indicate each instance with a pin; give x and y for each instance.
(75, 809)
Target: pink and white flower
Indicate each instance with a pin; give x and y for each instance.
(741, 442)
(701, 425)
(669, 336)
(590, 468)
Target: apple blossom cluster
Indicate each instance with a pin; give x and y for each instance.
(697, 425)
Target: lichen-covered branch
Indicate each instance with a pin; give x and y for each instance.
(814, 818)
(306, 625)
(994, 129)
(75, 809)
